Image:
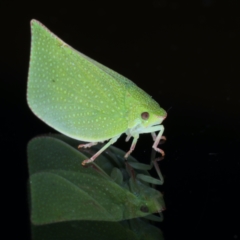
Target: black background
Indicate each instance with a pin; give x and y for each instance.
(186, 55)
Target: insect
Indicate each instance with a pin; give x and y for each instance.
(61, 191)
(85, 100)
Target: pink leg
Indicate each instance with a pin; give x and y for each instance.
(112, 140)
(157, 140)
(87, 145)
(154, 136)
(135, 138)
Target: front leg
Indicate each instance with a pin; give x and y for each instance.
(154, 136)
(134, 142)
(157, 139)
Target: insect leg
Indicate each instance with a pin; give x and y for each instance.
(145, 167)
(154, 160)
(110, 142)
(157, 140)
(134, 142)
(159, 128)
(87, 145)
(154, 136)
(128, 137)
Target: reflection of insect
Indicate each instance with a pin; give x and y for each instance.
(61, 191)
(85, 100)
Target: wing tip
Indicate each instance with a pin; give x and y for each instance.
(35, 23)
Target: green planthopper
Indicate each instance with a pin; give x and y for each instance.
(85, 100)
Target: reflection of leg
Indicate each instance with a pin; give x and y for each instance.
(134, 142)
(155, 161)
(145, 167)
(112, 140)
(87, 145)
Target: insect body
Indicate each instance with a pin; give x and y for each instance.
(85, 100)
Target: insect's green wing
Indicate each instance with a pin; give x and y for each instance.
(72, 93)
(118, 77)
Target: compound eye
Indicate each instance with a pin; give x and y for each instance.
(145, 115)
(144, 209)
